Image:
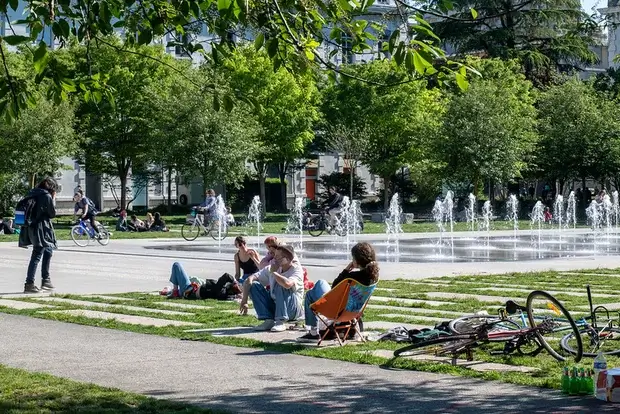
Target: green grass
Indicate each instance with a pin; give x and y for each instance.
(24, 392)
(63, 224)
(222, 314)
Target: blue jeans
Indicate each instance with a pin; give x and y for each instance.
(320, 288)
(35, 258)
(286, 306)
(179, 277)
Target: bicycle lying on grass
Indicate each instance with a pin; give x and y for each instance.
(548, 320)
(82, 234)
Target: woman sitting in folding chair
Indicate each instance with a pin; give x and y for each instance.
(363, 269)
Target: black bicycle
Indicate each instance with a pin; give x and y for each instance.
(317, 224)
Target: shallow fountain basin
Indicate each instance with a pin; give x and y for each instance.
(424, 250)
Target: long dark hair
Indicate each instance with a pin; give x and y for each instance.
(365, 257)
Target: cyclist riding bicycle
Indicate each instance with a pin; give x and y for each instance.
(209, 206)
(333, 205)
(89, 212)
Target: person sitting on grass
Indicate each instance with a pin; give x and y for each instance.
(6, 226)
(148, 222)
(184, 287)
(158, 224)
(230, 219)
(137, 224)
(246, 260)
(283, 302)
(121, 223)
(271, 243)
(363, 268)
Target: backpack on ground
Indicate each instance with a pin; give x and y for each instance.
(25, 211)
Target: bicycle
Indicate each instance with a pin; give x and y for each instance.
(605, 338)
(316, 224)
(82, 234)
(190, 232)
(477, 330)
(595, 338)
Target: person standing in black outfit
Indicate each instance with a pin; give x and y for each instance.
(40, 234)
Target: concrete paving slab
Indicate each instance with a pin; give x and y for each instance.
(610, 306)
(417, 317)
(251, 311)
(375, 298)
(384, 326)
(107, 305)
(24, 295)
(481, 298)
(105, 297)
(180, 305)
(553, 292)
(134, 320)
(473, 365)
(17, 304)
(414, 310)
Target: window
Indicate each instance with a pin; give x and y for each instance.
(347, 50)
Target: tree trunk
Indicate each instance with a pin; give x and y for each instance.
(263, 195)
(32, 180)
(386, 193)
(169, 190)
(283, 206)
(351, 178)
(123, 179)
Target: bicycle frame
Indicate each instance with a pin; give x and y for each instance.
(85, 227)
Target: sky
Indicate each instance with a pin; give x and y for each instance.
(588, 4)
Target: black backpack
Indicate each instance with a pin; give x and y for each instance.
(26, 209)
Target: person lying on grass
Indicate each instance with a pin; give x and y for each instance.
(226, 287)
(363, 268)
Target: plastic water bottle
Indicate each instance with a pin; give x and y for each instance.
(600, 364)
(565, 381)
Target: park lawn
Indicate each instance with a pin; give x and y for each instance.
(570, 290)
(24, 392)
(63, 224)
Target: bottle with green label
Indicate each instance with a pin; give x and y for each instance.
(590, 382)
(565, 381)
(574, 382)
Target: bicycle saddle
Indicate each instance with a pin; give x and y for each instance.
(512, 307)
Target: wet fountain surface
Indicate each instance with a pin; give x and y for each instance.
(463, 249)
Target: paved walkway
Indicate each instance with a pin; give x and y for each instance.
(249, 380)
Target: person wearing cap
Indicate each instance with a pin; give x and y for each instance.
(283, 302)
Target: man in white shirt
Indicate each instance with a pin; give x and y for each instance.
(284, 301)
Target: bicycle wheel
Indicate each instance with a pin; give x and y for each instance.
(80, 236)
(470, 323)
(441, 346)
(606, 340)
(218, 233)
(190, 232)
(551, 322)
(316, 226)
(104, 236)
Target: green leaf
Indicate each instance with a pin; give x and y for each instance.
(15, 40)
(145, 36)
(410, 62)
(474, 13)
(393, 39)
(462, 82)
(420, 63)
(399, 55)
(216, 102)
(259, 41)
(40, 58)
(14, 4)
(223, 4)
(272, 47)
(345, 5)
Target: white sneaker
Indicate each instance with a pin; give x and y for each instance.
(265, 326)
(278, 327)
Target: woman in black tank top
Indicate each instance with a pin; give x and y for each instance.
(246, 260)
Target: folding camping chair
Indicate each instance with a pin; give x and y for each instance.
(341, 307)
